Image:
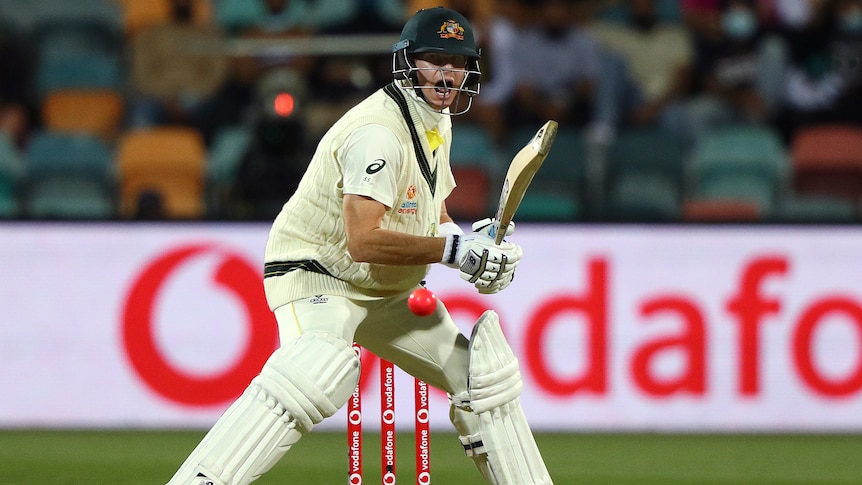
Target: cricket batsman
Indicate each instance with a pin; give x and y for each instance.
(356, 238)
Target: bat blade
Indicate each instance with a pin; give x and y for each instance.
(524, 166)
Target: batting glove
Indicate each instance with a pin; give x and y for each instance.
(448, 228)
(500, 284)
(486, 226)
(482, 262)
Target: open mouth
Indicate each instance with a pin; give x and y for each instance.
(442, 91)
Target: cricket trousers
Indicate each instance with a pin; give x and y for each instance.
(430, 348)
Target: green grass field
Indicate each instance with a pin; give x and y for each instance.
(144, 457)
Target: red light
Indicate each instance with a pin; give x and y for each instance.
(283, 104)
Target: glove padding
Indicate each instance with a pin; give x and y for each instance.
(488, 266)
(486, 226)
(503, 281)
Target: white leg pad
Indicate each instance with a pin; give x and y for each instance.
(299, 386)
(504, 444)
(467, 424)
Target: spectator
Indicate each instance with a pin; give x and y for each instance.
(340, 81)
(151, 207)
(276, 158)
(646, 71)
(793, 15)
(358, 16)
(703, 19)
(281, 20)
(480, 12)
(269, 171)
(824, 79)
(497, 26)
(739, 71)
(16, 109)
(554, 63)
(176, 68)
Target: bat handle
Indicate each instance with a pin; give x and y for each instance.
(499, 232)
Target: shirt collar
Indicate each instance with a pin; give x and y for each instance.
(430, 119)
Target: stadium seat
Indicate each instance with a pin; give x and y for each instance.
(234, 15)
(472, 145)
(228, 147)
(565, 163)
(554, 192)
(750, 154)
(72, 198)
(167, 160)
(69, 176)
(827, 161)
(51, 153)
(720, 210)
(26, 15)
(729, 150)
(11, 174)
(648, 151)
(815, 209)
(80, 71)
(138, 15)
(9, 206)
(477, 172)
(471, 199)
(225, 155)
(643, 197)
(616, 12)
(71, 36)
(744, 187)
(97, 112)
(549, 206)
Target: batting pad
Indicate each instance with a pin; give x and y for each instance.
(494, 396)
(299, 386)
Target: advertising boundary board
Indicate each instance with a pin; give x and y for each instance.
(617, 328)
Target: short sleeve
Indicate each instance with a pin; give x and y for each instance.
(371, 160)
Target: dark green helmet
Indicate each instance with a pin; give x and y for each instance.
(438, 30)
(443, 31)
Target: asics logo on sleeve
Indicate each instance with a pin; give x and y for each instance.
(375, 167)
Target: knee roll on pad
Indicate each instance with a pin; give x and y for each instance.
(494, 377)
(312, 378)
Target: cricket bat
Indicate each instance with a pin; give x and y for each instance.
(524, 166)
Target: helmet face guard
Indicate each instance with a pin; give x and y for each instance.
(438, 31)
(404, 69)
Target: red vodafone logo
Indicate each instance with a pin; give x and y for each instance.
(233, 273)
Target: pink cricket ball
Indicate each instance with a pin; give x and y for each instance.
(422, 302)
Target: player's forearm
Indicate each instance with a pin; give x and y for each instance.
(382, 246)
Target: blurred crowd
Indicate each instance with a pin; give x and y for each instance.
(683, 66)
(601, 68)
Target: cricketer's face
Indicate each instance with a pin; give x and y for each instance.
(440, 78)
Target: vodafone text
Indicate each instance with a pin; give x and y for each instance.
(747, 312)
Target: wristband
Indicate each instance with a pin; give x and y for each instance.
(450, 252)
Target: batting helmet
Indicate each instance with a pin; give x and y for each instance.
(437, 30)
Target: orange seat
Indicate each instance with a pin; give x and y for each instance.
(96, 112)
(470, 199)
(169, 161)
(720, 210)
(827, 161)
(138, 15)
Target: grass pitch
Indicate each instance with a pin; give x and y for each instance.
(151, 457)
